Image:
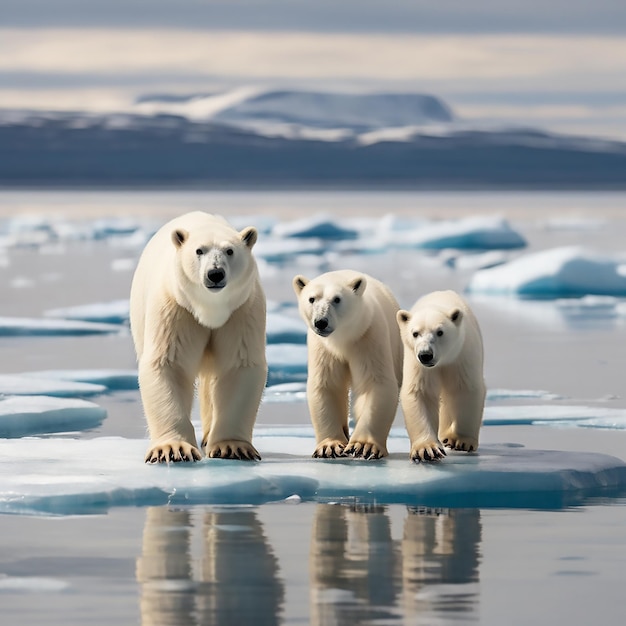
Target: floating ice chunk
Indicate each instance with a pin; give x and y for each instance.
(318, 226)
(553, 414)
(472, 233)
(104, 379)
(287, 362)
(115, 312)
(25, 326)
(555, 273)
(73, 476)
(30, 415)
(285, 329)
(38, 384)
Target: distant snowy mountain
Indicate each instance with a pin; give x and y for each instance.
(254, 108)
(257, 137)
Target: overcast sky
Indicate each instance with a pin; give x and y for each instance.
(554, 63)
(429, 16)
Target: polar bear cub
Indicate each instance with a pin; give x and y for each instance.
(353, 344)
(443, 390)
(197, 311)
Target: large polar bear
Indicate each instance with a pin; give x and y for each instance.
(197, 310)
(443, 390)
(353, 344)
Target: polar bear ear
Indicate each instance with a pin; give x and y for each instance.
(299, 283)
(456, 316)
(358, 285)
(249, 236)
(179, 236)
(403, 317)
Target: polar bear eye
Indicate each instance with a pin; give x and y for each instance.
(336, 300)
(415, 334)
(229, 251)
(439, 333)
(199, 251)
(311, 299)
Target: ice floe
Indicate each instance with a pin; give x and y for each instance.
(318, 226)
(26, 326)
(39, 384)
(73, 476)
(554, 273)
(114, 312)
(104, 379)
(28, 415)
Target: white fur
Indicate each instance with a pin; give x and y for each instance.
(443, 399)
(358, 349)
(184, 330)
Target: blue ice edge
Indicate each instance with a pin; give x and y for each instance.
(76, 476)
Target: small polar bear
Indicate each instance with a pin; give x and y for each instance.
(353, 344)
(197, 311)
(443, 390)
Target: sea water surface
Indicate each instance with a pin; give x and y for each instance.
(303, 559)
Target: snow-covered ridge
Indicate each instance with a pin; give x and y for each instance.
(253, 107)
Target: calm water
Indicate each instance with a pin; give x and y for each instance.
(323, 563)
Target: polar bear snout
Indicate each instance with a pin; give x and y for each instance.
(321, 327)
(426, 357)
(215, 278)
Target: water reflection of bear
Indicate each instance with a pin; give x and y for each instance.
(231, 579)
(360, 574)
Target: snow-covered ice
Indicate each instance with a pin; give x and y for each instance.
(93, 475)
(104, 379)
(318, 226)
(21, 416)
(554, 273)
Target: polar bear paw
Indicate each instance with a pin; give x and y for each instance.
(364, 450)
(459, 442)
(329, 449)
(427, 451)
(232, 449)
(172, 452)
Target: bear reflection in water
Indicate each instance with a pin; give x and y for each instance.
(366, 564)
(359, 574)
(230, 577)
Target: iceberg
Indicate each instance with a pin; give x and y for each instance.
(567, 272)
(472, 233)
(79, 476)
(30, 415)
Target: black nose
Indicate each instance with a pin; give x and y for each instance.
(321, 324)
(425, 357)
(216, 275)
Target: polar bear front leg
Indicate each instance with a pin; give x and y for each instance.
(421, 416)
(235, 396)
(167, 396)
(374, 405)
(327, 397)
(461, 417)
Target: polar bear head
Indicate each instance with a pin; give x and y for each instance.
(215, 257)
(435, 334)
(333, 303)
